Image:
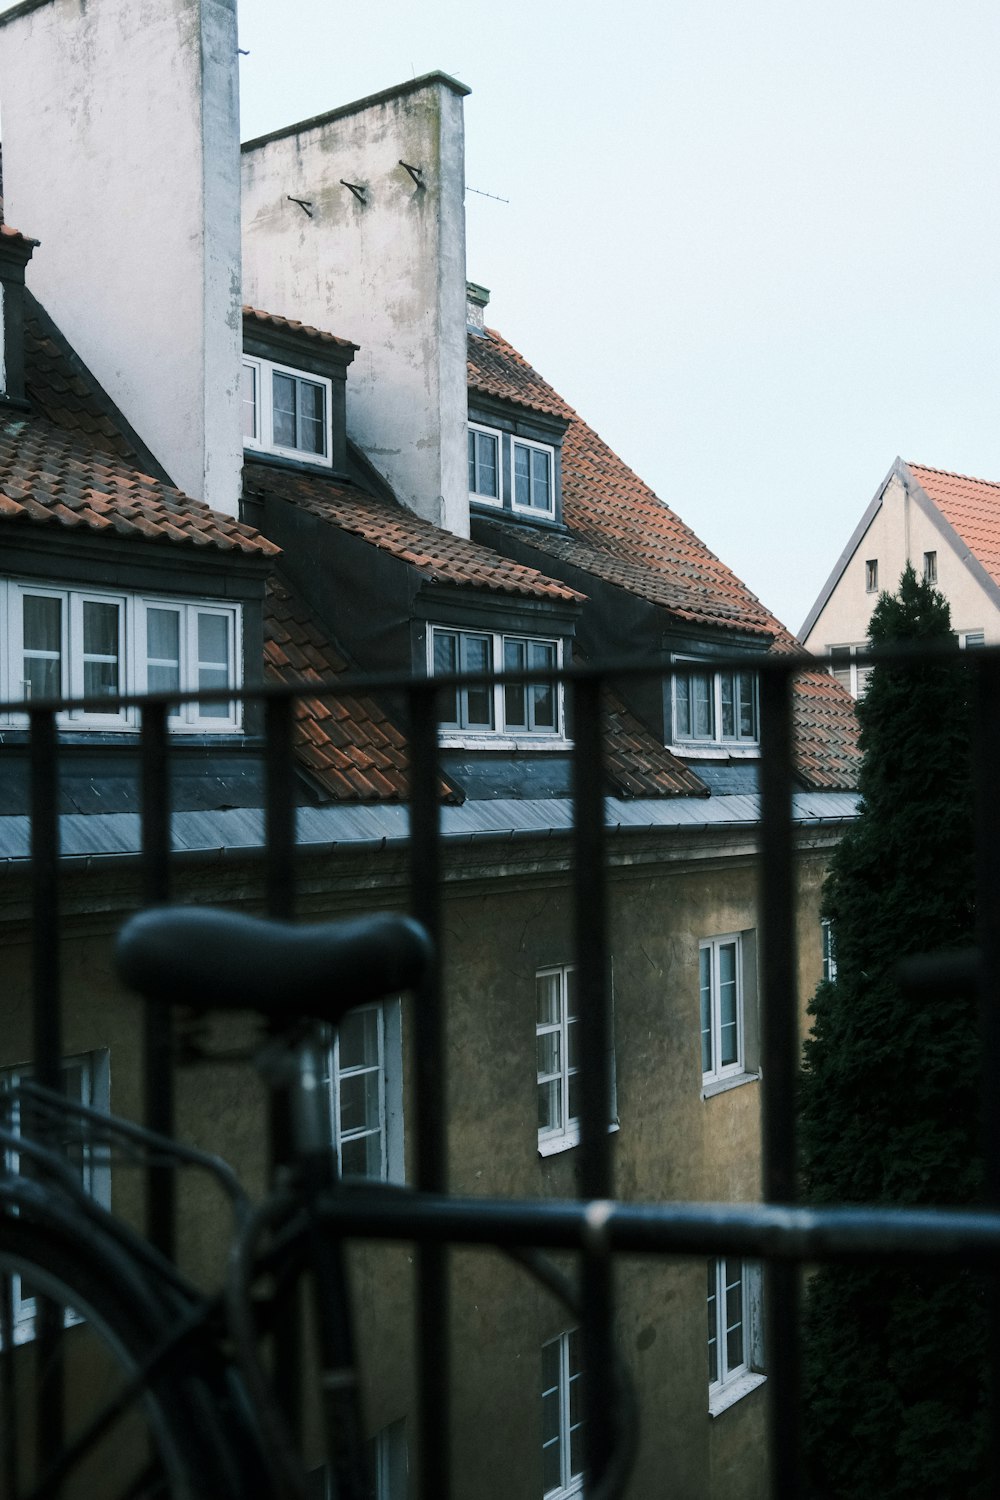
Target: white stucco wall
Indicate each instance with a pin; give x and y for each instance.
(902, 531)
(121, 152)
(388, 273)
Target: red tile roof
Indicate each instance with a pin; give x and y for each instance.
(637, 765)
(825, 733)
(291, 325)
(620, 530)
(971, 506)
(438, 555)
(348, 744)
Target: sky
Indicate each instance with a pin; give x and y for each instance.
(755, 246)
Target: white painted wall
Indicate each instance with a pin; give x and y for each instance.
(121, 155)
(900, 531)
(388, 273)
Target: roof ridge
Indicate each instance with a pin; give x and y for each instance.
(954, 474)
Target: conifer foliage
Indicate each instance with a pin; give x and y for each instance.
(890, 1092)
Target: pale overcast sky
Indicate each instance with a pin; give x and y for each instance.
(755, 245)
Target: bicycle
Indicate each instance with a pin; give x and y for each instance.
(188, 1368)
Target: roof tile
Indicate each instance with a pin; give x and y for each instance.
(971, 506)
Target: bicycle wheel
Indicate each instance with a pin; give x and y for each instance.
(88, 1407)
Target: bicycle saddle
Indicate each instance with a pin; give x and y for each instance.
(212, 959)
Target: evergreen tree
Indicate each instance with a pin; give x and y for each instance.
(894, 1363)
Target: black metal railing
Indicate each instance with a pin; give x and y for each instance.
(779, 1231)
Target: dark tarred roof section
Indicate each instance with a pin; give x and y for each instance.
(348, 744)
(291, 325)
(69, 463)
(438, 555)
(619, 530)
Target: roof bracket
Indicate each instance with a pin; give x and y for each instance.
(361, 193)
(304, 203)
(417, 173)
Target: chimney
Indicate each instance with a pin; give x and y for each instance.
(15, 252)
(355, 222)
(121, 152)
(477, 300)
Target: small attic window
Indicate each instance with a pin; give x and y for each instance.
(511, 471)
(286, 412)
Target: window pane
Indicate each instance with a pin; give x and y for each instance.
(361, 1156)
(542, 654)
(549, 1105)
(547, 1053)
(701, 705)
(515, 698)
(100, 647)
(213, 662)
(572, 1007)
(163, 650)
(728, 1027)
(547, 996)
(728, 709)
(713, 1343)
(541, 489)
(42, 662)
(522, 475)
(734, 1314)
(483, 467)
(283, 410)
(358, 1039)
(446, 660)
(748, 707)
(573, 1044)
(249, 401)
(682, 708)
(359, 1100)
(478, 654)
(312, 424)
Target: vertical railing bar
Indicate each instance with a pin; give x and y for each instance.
(780, 1064)
(279, 900)
(433, 1301)
(158, 1052)
(591, 951)
(986, 756)
(47, 1039)
(8, 1398)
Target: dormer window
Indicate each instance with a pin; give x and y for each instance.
(715, 708)
(512, 466)
(286, 412)
(498, 715)
(96, 644)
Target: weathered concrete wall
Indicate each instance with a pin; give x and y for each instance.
(502, 921)
(121, 151)
(387, 272)
(901, 531)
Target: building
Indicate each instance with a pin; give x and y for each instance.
(947, 527)
(339, 466)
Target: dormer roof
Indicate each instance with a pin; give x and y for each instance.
(254, 316)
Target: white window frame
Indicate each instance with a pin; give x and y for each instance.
(972, 640)
(733, 1373)
(95, 1172)
(133, 676)
(930, 568)
(531, 446)
(262, 440)
(566, 1134)
(716, 742)
(499, 736)
(716, 1072)
(389, 1083)
(478, 429)
(846, 669)
(566, 1349)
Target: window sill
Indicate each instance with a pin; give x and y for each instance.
(713, 750)
(723, 1085)
(727, 1395)
(449, 741)
(556, 1143)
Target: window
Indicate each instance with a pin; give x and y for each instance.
(562, 1418)
(973, 639)
(735, 1350)
(516, 709)
(844, 666)
(86, 1080)
(871, 576)
(385, 1468)
(68, 642)
(516, 472)
(829, 951)
(484, 465)
(286, 411)
(721, 986)
(930, 567)
(557, 1059)
(715, 708)
(532, 477)
(364, 1079)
